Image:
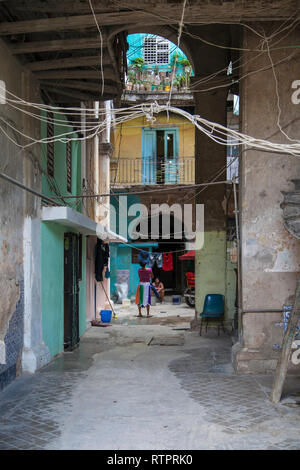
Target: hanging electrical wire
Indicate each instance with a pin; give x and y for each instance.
(215, 131)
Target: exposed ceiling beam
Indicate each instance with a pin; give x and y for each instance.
(60, 99)
(69, 6)
(71, 94)
(193, 14)
(109, 74)
(68, 63)
(86, 86)
(66, 6)
(57, 45)
(69, 23)
(69, 100)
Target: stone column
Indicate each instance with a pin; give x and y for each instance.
(210, 159)
(35, 353)
(105, 153)
(270, 255)
(105, 150)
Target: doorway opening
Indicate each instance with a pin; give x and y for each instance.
(160, 160)
(72, 276)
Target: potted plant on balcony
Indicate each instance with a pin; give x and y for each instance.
(131, 79)
(185, 63)
(176, 84)
(147, 86)
(167, 85)
(138, 66)
(181, 82)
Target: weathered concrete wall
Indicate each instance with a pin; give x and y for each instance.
(270, 255)
(16, 206)
(210, 158)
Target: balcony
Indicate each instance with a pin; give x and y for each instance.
(152, 84)
(130, 171)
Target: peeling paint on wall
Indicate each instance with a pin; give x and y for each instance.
(13, 344)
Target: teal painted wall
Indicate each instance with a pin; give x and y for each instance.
(136, 43)
(58, 184)
(120, 256)
(52, 242)
(52, 278)
(121, 259)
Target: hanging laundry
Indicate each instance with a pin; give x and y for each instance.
(167, 262)
(156, 258)
(143, 257)
(101, 258)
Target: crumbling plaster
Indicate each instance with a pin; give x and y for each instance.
(15, 204)
(270, 256)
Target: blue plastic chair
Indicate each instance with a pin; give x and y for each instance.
(213, 309)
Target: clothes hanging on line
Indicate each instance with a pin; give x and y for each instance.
(156, 258)
(143, 257)
(167, 262)
(101, 258)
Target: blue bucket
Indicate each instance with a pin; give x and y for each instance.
(105, 316)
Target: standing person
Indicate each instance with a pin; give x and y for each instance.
(160, 289)
(143, 293)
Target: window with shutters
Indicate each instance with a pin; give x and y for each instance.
(156, 50)
(69, 166)
(50, 145)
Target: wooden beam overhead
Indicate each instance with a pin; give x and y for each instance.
(100, 6)
(58, 45)
(109, 74)
(69, 62)
(78, 96)
(81, 8)
(69, 23)
(156, 16)
(66, 6)
(86, 86)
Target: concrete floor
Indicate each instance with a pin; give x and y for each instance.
(147, 384)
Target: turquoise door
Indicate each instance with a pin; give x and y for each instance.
(160, 162)
(171, 157)
(148, 156)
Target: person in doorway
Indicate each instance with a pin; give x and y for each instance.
(143, 293)
(160, 289)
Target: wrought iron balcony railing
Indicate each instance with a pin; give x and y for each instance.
(136, 171)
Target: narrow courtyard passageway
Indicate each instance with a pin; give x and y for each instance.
(147, 384)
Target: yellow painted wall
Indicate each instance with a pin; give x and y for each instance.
(127, 141)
